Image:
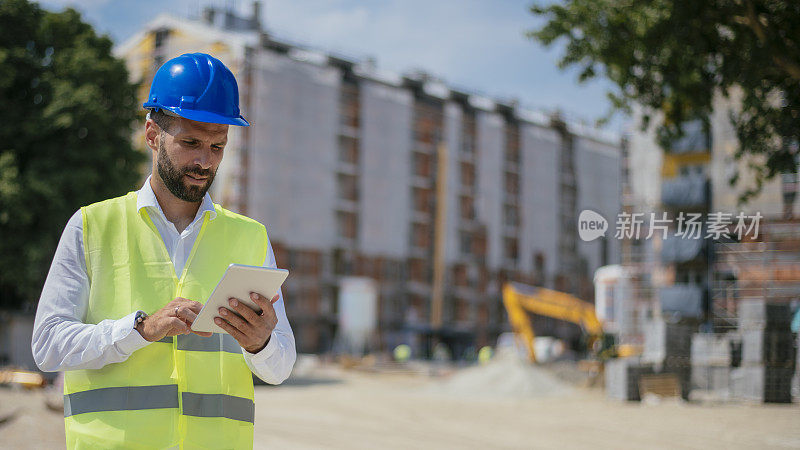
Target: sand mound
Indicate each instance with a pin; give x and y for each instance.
(504, 376)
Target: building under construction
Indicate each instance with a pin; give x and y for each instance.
(437, 194)
(713, 310)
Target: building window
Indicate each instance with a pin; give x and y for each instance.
(510, 245)
(346, 224)
(512, 183)
(348, 150)
(510, 216)
(539, 268)
(427, 120)
(467, 174)
(349, 104)
(423, 164)
(465, 243)
(348, 187)
(420, 235)
(468, 132)
(423, 200)
(460, 276)
(467, 207)
(160, 38)
(461, 311)
(418, 270)
(342, 262)
(467, 144)
(512, 143)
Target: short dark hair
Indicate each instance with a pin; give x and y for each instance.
(162, 119)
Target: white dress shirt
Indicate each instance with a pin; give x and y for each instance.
(61, 341)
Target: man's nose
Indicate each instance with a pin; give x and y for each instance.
(203, 158)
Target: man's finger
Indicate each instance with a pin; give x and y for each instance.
(177, 326)
(260, 300)
(186, 314)
(266, 305)
(194, 306)
(267, 309)
(246, 311)
(203, 333)
(230, 329)
(233, 319)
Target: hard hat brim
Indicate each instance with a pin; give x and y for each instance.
(208, 117)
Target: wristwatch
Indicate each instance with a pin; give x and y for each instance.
(140, 316)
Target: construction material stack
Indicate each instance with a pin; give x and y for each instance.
(769, 355)
(667, 347)
(622, 377)
(713, 356)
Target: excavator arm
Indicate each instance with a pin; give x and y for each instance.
(521, 300)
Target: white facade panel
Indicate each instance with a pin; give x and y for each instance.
(293, 150)
(386, 169)
(489, 201)
(539, 197)
(598, 174)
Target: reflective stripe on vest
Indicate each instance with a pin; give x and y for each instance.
(218, 405)
(184, 390)
(131, 398)
(125, 398)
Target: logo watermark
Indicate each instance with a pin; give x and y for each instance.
(716, 226)
(591, 225)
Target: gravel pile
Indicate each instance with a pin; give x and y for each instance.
(504, 376)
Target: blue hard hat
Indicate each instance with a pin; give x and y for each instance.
(198, 87)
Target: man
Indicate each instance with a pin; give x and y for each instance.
(127, 278)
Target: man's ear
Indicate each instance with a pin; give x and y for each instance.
(151, 134)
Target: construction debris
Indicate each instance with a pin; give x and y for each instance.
(505, 376)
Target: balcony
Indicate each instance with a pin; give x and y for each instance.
(678, 250)
(694, 139)
(684, 300)
(685, 191)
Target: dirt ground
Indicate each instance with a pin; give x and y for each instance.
(329, 407)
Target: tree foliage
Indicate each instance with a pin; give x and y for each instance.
(673, 56)
(65, 136)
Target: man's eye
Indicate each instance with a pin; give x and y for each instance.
(190, 142)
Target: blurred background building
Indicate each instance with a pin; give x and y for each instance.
(436, 194)
(714, 312)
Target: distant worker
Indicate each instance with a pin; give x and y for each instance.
(485, 355)
(402, 353)
(123, 289)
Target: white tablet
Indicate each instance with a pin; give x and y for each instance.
(238, 282)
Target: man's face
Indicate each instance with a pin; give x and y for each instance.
(189, 154)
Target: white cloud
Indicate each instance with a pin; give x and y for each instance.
(473, 44)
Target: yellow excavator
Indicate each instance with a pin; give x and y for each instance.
(521, 300)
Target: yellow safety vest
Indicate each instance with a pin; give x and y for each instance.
(181, 392)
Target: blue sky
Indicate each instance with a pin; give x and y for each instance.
(477, 45)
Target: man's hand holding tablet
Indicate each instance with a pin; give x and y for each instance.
(251, 329)
(240, 307)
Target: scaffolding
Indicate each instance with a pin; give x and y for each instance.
(768, 271)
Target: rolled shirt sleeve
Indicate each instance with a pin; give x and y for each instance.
(274, 363)
(61, 341)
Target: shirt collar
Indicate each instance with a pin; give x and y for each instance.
(146, 198)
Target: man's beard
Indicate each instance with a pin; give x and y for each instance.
(173, 178)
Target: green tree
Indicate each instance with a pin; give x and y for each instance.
(65, 136)
(672, 56)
